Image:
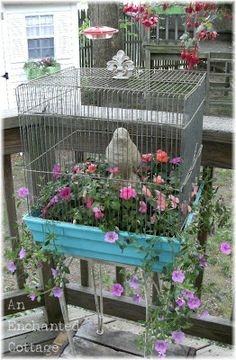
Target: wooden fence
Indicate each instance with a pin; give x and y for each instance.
(217, 142)
(158, 48)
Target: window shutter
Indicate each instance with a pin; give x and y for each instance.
(17, 38)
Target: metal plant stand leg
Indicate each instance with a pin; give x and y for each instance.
(146, 296)
(65, 315)
(98, 304)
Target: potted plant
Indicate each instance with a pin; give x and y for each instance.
(45, 66)
(80, 209)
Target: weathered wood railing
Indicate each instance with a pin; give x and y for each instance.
(217, 152)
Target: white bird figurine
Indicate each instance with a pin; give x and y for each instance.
(123, 153)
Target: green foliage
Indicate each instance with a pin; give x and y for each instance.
(46, 66)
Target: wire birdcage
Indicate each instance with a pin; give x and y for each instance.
(76, 117)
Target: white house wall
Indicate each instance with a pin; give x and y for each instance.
(66, 40)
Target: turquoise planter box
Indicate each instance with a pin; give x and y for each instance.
(88, 242)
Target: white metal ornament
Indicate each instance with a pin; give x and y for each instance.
(121, 65)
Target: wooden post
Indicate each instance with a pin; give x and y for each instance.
(105, 13)
(52, 304)
(155, 294)
(203, 230)
(12, 216)
(120, 276)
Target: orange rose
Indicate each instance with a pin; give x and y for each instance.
(161, 156)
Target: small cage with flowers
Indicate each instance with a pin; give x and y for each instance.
(112, 159)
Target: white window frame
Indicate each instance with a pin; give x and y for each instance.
(40, 36)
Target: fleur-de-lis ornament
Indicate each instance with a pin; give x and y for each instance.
(121, 65)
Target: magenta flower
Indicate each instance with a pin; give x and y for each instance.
(111, 237)
(57, 292)
(114, 170)
(161, 346)
(89, 203)
(194, 303)
(180, 302)
(143, 207)
(137, 298)
(56, 171)
(203, 315)
(225, 248)
(55, 272)
(53, 201)
(23, 192)
(178, 337)
(32, 296)
(11, 266)
(127, 193)
(22, 254)
(98, 213)
(65, 193)
(187, 294)
(176, 160)
(178, 276)
(117, 290)
(134, 282)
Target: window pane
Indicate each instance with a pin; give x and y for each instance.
(34, 53)
(46, 30)
(33, 43)
(47, 52)
(47, 43)
(32, 20)
(46, 19)
(32, 31)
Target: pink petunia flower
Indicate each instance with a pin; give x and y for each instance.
(22, 254)
(137, 298)
(174, 201)
(185, 208)
(127, 193)
(161, 346)
(178, 337)
(161, 205)
(11, 267)
(65, 193)
(187, 294)
(143, 207)
(117, 290)
(158, 180)
(56, 171)
(176, 160)
(114, 170)
(111, 237)
(89, 203)
(57, 292)
(98, 213)
(32, 296)
(203, 315)
(225, 248)
(180, 302)
(55, 272)
(23, 192)
(178, 276)
(160, 195)
(134, 282)
(194, 303)
(146, 192)
(146, 157)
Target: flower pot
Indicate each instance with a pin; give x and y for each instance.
(88, 242)
(34, 73)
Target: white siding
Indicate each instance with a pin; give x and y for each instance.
(66, 40)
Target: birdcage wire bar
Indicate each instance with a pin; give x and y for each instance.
(71, 115)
